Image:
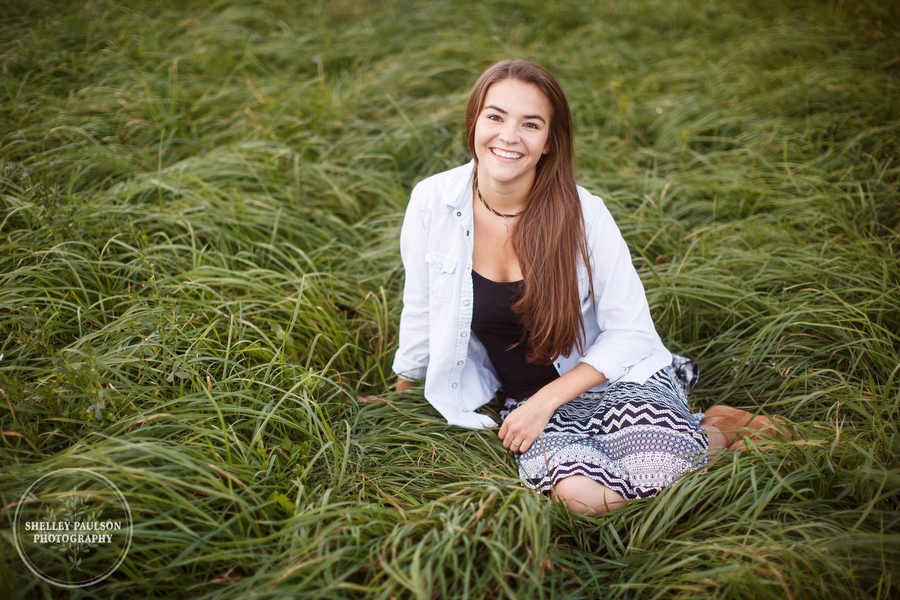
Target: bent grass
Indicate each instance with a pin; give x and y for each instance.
(200, 272)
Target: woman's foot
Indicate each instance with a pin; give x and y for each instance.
(737, 425)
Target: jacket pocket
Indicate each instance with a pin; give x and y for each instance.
(441, 276)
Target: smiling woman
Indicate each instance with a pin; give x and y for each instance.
(516, 278)
(511, 136)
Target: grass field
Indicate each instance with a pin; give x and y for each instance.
(200, 205)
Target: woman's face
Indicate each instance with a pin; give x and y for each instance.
(511, 134)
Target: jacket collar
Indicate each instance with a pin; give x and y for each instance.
(459, 193)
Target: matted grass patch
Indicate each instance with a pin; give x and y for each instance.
(199, 272)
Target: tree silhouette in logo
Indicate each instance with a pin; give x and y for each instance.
(74, 509)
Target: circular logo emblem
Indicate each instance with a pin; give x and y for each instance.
(73, 528)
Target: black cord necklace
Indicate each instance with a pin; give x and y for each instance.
(488, 206)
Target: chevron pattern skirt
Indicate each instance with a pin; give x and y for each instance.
(633, 438)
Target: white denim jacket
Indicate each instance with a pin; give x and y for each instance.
(436, 340)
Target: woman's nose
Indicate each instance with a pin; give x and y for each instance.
(509, 134)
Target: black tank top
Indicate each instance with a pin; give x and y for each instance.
(498, 328)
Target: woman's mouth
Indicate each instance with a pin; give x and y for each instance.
(505, 154)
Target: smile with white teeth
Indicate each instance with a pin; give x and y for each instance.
(504, 154)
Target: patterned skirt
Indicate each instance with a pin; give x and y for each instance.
(633, 438)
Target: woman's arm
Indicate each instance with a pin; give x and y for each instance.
(411, 358)
(626, 332)
(404, 384)
(525, 424)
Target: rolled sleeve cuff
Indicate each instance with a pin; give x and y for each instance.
(604, 362)
(472, 420)
(409, 370)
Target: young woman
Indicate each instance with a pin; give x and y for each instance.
(517, 278)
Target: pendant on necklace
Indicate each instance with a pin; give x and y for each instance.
(505, 225)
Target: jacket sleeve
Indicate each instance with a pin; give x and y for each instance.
(411, 358)
(627, 333)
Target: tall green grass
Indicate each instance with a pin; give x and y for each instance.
(199, 272)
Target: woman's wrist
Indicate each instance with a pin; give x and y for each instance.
(404, 384)
(550, 397)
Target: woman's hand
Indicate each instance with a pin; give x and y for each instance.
(401, 386)
(404, 384)
(525, 424)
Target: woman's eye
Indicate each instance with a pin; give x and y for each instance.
(494, 117)
(532, 125)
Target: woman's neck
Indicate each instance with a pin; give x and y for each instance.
(506, 198)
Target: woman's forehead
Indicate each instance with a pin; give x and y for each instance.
(520, 97)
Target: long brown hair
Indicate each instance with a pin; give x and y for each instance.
(550, 236)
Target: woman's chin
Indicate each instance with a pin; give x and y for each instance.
(508, 173)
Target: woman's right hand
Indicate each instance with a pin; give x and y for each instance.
(401, 386)
(404, 384)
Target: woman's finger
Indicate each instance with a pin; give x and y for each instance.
(515, 439)
(509, 432)
(520, 439)
(521, 446)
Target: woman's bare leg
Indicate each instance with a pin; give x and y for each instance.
(716, 439)
(583, 494)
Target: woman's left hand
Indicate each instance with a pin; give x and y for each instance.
(525, 424)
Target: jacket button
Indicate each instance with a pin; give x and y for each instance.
(466, 302)
(455, 385)
(458, 214)
(440, 266)
(459, 363)
(463, 334)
